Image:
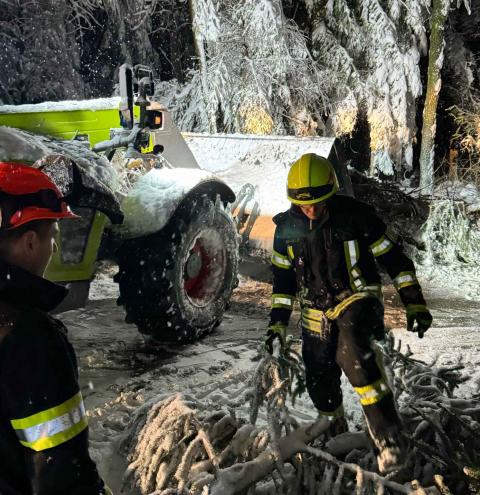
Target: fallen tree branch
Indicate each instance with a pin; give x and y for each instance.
(240, 476)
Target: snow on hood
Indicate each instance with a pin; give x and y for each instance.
(263, 161)
(99, 180)
(154, 198)
(62, 106)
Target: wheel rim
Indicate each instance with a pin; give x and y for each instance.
(204, 267)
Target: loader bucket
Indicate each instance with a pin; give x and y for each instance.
(256, 168)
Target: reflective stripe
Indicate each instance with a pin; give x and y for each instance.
(290, 253)
(405, 279)
(282, 301)
(352, 247)
(356, 273)
(280, 260)
(53, 426)
(352, 254)
(334, 313)
(314, 326)
(373, 393)
(313, 314)
(310, 315)
(338, 413)
(358, 283)
(416, 308)
(382, 246)
(375, 289)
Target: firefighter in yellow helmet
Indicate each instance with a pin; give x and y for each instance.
(325, 252)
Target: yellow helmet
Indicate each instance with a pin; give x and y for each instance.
(311, 179)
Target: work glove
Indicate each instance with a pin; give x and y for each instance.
(275, 331)
(419, 319)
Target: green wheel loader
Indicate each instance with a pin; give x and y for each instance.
(144, 202)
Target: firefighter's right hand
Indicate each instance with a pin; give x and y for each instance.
(276, 331)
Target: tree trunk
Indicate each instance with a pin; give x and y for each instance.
(199, 43)
(440, 10)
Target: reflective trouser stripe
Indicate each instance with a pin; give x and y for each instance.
(282, 301)
(280, 260)
(312, 314)
(382, 246)
(375, 290)
(53, 426)
(405, 279)
(338, 413)
(373, 393)
(313, 326)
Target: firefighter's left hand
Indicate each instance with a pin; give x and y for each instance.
(276, 331)
(419, 319)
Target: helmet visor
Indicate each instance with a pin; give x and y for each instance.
(307, 195)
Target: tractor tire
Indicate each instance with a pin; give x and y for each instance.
(176, 284)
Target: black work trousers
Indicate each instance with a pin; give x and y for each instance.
(346, 346)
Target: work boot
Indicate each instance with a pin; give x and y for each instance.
(338, 426)
(392, 457)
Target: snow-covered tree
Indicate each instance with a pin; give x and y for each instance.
(373, 48)
(38, 51)
(255, 69)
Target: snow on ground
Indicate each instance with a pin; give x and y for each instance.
(118, 375)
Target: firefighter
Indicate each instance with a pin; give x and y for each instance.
(325, 252)
(43, 426)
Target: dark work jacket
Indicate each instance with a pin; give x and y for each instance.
(325, 260)
(38, 373)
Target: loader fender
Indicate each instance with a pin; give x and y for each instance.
(149, 206)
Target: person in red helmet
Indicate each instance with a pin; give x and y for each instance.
(43, 425)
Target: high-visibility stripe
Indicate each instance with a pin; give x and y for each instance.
(310, 315)
(290, 252)
(53, 426)
(313, 314)
(338, 413)
(415, 308)
(359, 283)
(375, 289)
(356, 273)
(352, 249)
(282, 301)
(352, 254)
(405, 279)
(373, 393)
(334, 313)
(314, 326)
(382, 246)
(280, 260)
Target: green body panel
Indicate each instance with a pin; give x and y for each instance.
(93, 126)
(58, 271)
(89, 125)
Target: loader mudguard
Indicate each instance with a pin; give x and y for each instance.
(78, 262)
(156, 196)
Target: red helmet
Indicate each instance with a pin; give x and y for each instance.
(28, 194)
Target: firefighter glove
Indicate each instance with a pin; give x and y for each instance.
(419, 319)
(275, 331)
